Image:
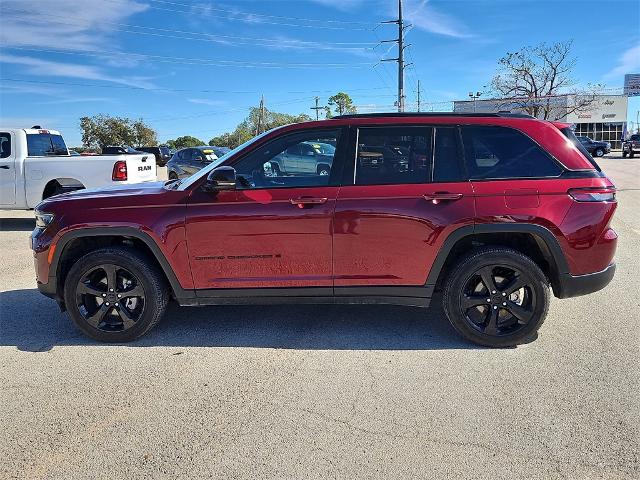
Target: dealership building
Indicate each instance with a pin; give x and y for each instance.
(605, 119)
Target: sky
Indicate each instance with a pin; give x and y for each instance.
(195, 68)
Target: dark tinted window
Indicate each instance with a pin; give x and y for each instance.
(501, 152)
(447, 159)
(394, 155)
(42, 144)
(290, 161)
(5, 145)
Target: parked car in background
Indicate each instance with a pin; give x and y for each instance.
(35, 164)
(162, 154)
(594, 147)
(188, 161)
(73, 153)
(312, 157)
(496, 211)
(220, 151)
(119, 150)
(631, 146)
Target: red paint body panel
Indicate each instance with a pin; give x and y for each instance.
(390, 235)
(258, 238)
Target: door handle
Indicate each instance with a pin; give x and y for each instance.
(439, 197)
(302, 202)
(6, 167)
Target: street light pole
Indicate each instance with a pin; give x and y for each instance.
(474, 97)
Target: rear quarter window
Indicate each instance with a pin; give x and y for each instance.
(493, 152)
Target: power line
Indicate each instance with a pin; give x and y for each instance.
(177, 90)
(195, 61)
(259, 18)
(208, 8)
(216, 38)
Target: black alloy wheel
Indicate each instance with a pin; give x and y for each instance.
(110, 298)
(599, 152)
(115, 294)
(498, 300)
(497, 297)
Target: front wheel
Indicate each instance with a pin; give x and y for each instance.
(115, 294)
(624, 154)
(496, 297)
(599, 152)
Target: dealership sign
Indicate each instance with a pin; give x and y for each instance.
(632, 84)
(606, 108)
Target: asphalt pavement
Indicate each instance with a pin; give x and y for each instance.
(322, 391)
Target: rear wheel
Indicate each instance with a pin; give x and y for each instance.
(115, 295)
(496, 297)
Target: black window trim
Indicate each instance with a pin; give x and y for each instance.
(340, 157)
(559, 164)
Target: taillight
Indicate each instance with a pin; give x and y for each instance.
(597, 194)
(119, 171)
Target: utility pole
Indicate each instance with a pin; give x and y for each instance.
(317, 108)
(260, 116)
(418, 95)
(400, 58)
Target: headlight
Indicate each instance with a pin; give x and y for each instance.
(43, 219)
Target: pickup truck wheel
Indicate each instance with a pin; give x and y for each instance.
(599, 152)
(631, 154)
(115, 295)
(496, 297)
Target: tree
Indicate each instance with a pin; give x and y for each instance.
(342, 103)
(185, 141)
(532, 79)
(248, 128)
(144, 136)
(101, 130)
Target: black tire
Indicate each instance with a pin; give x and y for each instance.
(599, 152)
(624, 154)
(486, 316)
(631, 154)
(173, 176)
(131, 309)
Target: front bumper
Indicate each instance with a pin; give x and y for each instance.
(577, 285)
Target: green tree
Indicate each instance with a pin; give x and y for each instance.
(144, 136)
(248, 128)
(342, 104)
(185, 141)
(101, 130)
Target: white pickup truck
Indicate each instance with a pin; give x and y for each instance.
(35, 164)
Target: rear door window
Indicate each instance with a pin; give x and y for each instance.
(493, 152)
(394, 155)
(5, 145)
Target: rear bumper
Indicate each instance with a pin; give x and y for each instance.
(577, 285)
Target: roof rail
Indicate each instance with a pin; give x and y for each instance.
(434, 114)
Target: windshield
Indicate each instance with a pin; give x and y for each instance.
(187, 182)
(572, 137)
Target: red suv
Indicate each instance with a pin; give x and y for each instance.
(491, 209)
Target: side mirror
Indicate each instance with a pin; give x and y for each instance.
(221, 178)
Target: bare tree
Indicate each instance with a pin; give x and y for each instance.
(537, 79)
